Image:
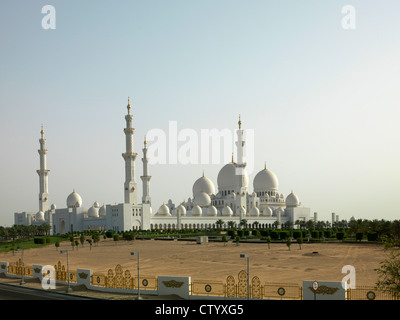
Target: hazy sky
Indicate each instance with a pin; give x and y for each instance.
(322, 100)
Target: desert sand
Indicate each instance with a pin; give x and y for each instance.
(215, 262)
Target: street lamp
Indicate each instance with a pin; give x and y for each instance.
(137, 254)
(22, 266)
(248, 274)
(69, 287)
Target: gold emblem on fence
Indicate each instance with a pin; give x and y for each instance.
(230, 287)
(173, 284)
(242, 285)
(120, 279)
(324, 290)
(256, 288)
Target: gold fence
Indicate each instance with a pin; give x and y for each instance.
(231, 288)
(62, 274)
(17, 268)
(208, 288)
(118, 278)
(369, 293)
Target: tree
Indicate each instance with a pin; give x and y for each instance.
(231, 224)
(219, 223)
(243, 223)
(224, 240)
(82, 239)
(389, 271)
(289, 242)
(57, 245)
(269, 241)
(300, 241)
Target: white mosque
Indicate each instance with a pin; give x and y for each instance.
(231, 203)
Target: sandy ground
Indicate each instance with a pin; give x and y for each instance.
(215, 262)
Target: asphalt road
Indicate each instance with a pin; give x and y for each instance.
(13, 292)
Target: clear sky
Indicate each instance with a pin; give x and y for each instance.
(323, 100)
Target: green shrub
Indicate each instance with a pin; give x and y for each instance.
(240, 233)
(340, 235)
(359, 236)
(297, 234)
(315, 234)
(274, 235)
(284, 234)
(116, 237)
(231, 233)
(109, 234)
(38, 240)
(328, 233)
(264, 233)
(372, 236)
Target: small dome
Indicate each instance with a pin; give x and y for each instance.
(96, 204)
(53, 207)
(196, 211)
(202, 199)
(203, 184)
(181, 210)
(254, 212)
(103, 211)
(267, 212)
(292, 200)
(212, 211)
(74, 200)
(227, 211)
(39, 216)
(265, 180)
(163, 210)
(93, 212)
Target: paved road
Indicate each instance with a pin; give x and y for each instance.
(13, 292)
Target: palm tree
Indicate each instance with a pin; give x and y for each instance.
(219, 223)
(231, 224)
(243, 223)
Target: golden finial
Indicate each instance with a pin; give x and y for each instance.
(240, 122)
(232, 158)
(265, 165)
(145, 141)
(42, 131)
(203, 173)
(129, 106)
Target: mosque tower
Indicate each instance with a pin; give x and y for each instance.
(129, 157)
(44, 204)
(240, 170)
(146, 178)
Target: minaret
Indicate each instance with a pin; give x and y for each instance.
(43, 173)
(129, 156)
(145, 178)
(240, 170)
(240, 144)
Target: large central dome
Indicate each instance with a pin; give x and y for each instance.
(265, 180)
(228, 178)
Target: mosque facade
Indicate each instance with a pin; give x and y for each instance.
(231, 203)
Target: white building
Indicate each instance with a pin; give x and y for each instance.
(232, 202)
